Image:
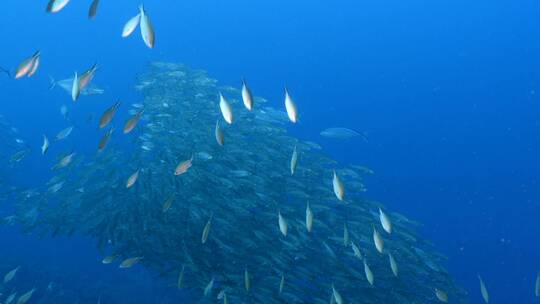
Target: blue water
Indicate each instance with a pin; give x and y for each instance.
(448, 91)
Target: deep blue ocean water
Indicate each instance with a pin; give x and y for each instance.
(448, 92)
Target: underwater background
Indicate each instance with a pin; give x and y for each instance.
(446, 92)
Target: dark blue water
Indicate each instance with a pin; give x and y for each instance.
(448, 91)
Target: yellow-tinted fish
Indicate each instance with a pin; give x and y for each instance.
(11, 274)
(339, 189)
(87, 77)
(105, 140)
(283, 226)
(393, 264)
(309, 218)
(127, 263)
(483, 290)
(54, 6)
(183, 166)
(92, 11)
(377, 239)
(226, 109)
(131, 25)
(290, 106)
(29, 64)
(294, 160)
(26, 297)
(132, 179)
(132, 122)
(109, 259)
(385, 221)
(441, 295)
(220, 137)
(247, 97)
(206, 230)
(167, 204)
(369, 273)
(147, 30)
(108, 115)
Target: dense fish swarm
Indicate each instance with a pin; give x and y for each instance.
(227, 220)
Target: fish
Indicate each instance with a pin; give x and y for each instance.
(45, 145)
(67, 85)
(206, 230)
(537, 286)
(105, 140)
(64, 161)
(28, 65)
(87, 76)
(147, 29)
(243, 185)
(385, 221)
(377, 239)
(309, 218)
(64, 111)
(356, 251)
(132, 122)
(247, 97)
(294, 160)
(336, 295)
(483, 290)
(129, 262)
(441, 295)
(290, 106)
(167, 204)
(368, 273)
(247, 280)
(342, 133)
(132, 179)
(283, 226)
(64, 133)
(11, 274)
(11, 298)
(220, 137)
(208, 288)
(131, 25)
(393, 264)
(226, 109)
(54, 6)
(109, 259)
(26, 296)
(346, 237)
(180, 277)
(108, 115)
(75, 89)
(92, 11)
(339, 189)
(183, 166)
